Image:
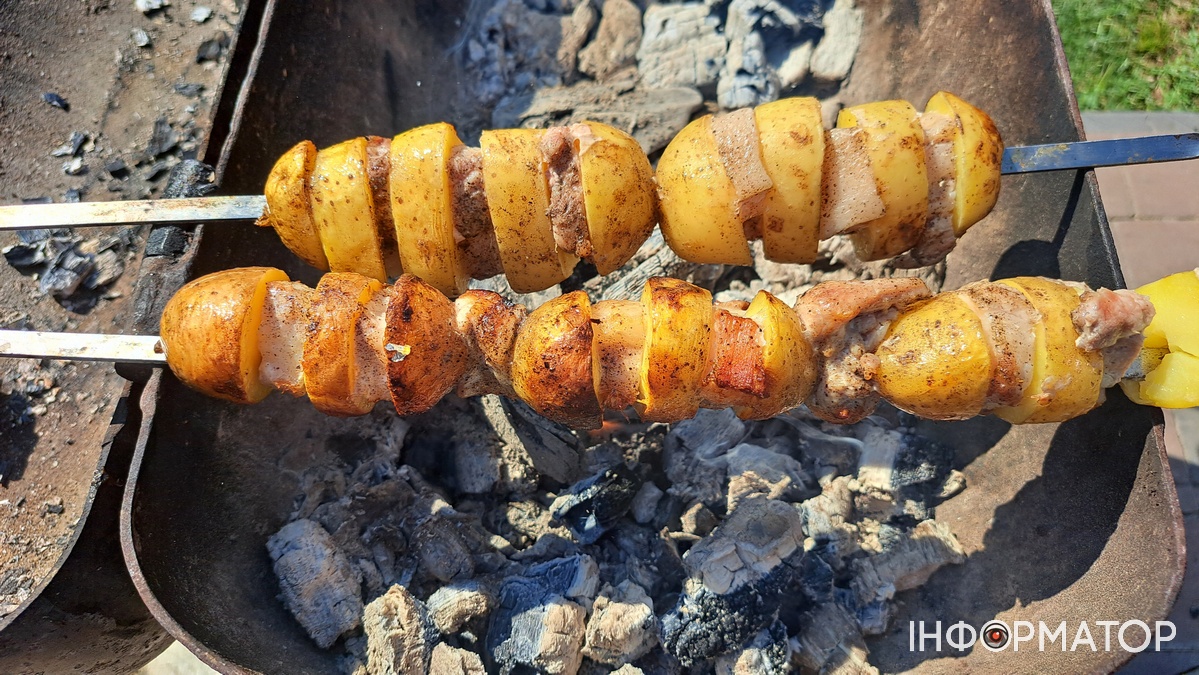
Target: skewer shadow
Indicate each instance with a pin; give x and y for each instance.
(1036, 257)
(17, 436)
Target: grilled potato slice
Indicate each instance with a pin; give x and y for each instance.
(421, 206)
(935, 361)
(618, 196)
(787, 357)
(289, 204)
(678, 323)
(210, 331)
(978, 156)
(552, 362)
(1066, 380)
(619, 330)
(518, 199)
(344, 211)
(895, 143)
(330, 363)
(426, 353)
(791, 135)
(696, 200)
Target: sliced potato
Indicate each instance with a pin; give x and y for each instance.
(696, 200)
(210, 332)
(421, 206)
(1066, 380)
(618, 195)
(552, 362)
(426, 353)
(289, 204)
(978, 156)
(619, 330)
(344, 211)
(518, 199)
(896, 147)
(329, 362)
(678, 323)
(1173, 384)
(935, 361)
(1176, 323)
(791, 134)
(787, 356)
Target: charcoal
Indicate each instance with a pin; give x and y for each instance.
(753, 27)
(155, 170)
(768, 653)
(454, 605)
(828, 519)
(72, 147)
(117, 169)
(163, 139)
(595, 504)
(189, 89)
(616, 40)
(108, 267)
(835, 52)
(753, 469)
(190, 178)
(698, 520)
(902, 473)
(735, 580)
(211, 49)
(56, 101)
(149, 6)
(73, 196)
(447, 660)
(552, 448)
(317, 583)
(907, 564)
(831, 639)
(645, 503)
(681, 46)
(622, 627)
(539, 622)
(693, 451)
(399, 634)
(141, 38)
(166, 240)
(65, 274)
(74, 167)
(575, 32)
(201, 14)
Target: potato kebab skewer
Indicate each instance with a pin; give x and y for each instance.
(1027, 349)
(529, 202)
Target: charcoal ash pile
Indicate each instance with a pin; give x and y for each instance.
(710, 545)
(646, 67)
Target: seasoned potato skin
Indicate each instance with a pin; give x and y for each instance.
(518, 200)
(935, 361)
(289, 204)
(551, 362)
(896, 148)
(788, 359)
(421, 206)
(421, 318)
(696, 200)
(678, 324)
(978, 156)
(210, 331)
(791, 136)
(344, 210)
(618, 195)
(329, 363)
(1066, 380)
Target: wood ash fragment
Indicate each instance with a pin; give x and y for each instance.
(447, 660)
(768, 653)
(399, 634)
(622, 627)
(455, 605)
(318, 584)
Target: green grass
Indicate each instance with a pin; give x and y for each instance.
(1132, 54)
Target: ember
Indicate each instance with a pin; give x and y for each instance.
(748, 547)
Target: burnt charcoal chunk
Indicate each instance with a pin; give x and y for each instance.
(163, 139)
(189, 178)
(189, 89)
(117, 168)
(166, 240)
(317, 582)
(399, 634)
(768, 653)
(56, 101)
(539, 623)
(736, 581)
(595, 504)
(66, 273)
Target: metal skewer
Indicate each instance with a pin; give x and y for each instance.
(1026, 159)
(38, 344)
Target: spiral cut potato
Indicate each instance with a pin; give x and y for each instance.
(530, 202)
(1027, 349)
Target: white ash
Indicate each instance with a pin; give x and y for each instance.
(645, 503)
(693, 453)
(768, 653)
(832, 636)
(835, 53)
(622, 627)
(616, 40)
(454, 605)
(316, 581)
(399, 634)
(761, 34)
(447, 660)
(681, 46)
(908, 563)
